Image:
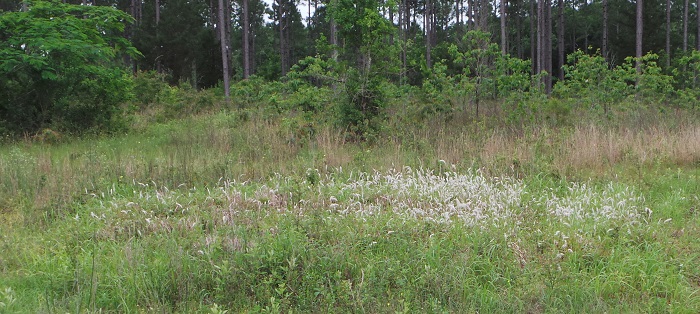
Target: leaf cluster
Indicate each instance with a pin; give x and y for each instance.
(59, 67)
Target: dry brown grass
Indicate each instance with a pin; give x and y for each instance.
(590, 149)
(49, 176)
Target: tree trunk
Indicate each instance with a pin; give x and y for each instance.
(283, 30)
(458, 13)
(246, 40)
(334, 39)
(540, 36)
(483, 16)
(157, 12)
(545, 43)
(534, 42)
(697, 37)
(470, 15)
(504, 31)
(428, 33)
(224, 49)
(639, 33)
(391, 18)
(668, 33)
(548, 46)
(560, 40)
(402, 40)
(685, 26)
(605, 29)
(519, 30)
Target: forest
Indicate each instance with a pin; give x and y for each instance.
(337, 156)
(58, 57)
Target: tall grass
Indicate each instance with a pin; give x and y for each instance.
(203, 150)
(234, 211)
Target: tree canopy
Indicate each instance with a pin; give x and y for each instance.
(60, 65)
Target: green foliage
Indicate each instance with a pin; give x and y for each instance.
(148, 87)
(591, 82)
(687, 77)
(59, 67)
(442, 94)
(482, 73)
(653, 86)
(361, 112)
(364, 29)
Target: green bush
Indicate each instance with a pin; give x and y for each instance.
(592, 83)
(361, 113)
(59, 67)
(147, 87)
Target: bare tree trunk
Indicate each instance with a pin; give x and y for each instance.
(504, 31)
(402, 40)
(560, 40)
(697, 37)
(518, 29)
(157, 12)
(282, 16)
(605, 29)
(548, 46)
(458, 12)
(639, 34)
(540, 36)
(334, 39)
(668, 33)
(534, 39)
(428, 33)
(470, 15)
(246, 40)
(391, 18)
(224, 49)
(483, 16)
(545, 43)
(685, 26)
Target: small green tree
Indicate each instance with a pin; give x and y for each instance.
(485, 72)
(689, 94)
(591, 81)
(59, 67)
(364, 31)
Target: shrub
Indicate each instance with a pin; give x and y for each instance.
(59, 68)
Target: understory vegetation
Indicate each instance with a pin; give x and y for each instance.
(265, 205)
(367, 178)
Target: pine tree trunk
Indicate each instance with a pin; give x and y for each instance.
(639, 34)
(157, 12)
(605, 29)
(504, 31)
(518, 30)
(458, 12)
(548, 46)
(685, 26)
(224, 49)
(282, 16)
(697, 37)
(540, 36)
(391, 18)
(470, 15)
(246, 40)
(534, 43)
(668, 33)
(428, 33)
(560, 40)
(483, 17)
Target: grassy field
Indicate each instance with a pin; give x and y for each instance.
(228, 212)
